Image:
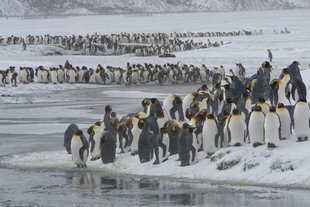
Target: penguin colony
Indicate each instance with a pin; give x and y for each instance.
(132, 74)
(141, 44)
(259, 110)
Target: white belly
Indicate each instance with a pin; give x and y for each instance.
(136, 131)
(209, 133)
(54, 77)
(256, 127)
(285, 121)
(272, 124)
(236, 127)
(301, 120)
(76, 145)
(97, 138)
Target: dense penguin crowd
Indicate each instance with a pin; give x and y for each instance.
(232, 112)
(130, 75)
(140, 44)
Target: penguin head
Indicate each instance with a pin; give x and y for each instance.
(281, 105)
(145, 102)
(108, 109)
(236, 111)
(296, 62)
(141, 123)
(246, 95)
(261, 99)
(210, 116)
(204, 87)
(77, 134)
(266, 64)
(272, 109)
(285, 71)
(154, 100)
(257, 108)
(177, 100)
(302, 99)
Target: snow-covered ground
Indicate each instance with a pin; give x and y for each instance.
(288, 165)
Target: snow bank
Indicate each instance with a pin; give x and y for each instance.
(285, 166)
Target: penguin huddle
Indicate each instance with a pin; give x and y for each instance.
(140, 44)
(132, 74)
(228, 115)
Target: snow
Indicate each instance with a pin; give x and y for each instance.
(286, 166)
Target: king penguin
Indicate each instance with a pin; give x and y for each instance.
(272, 128)
(79, 149)
(285, 120)
(235, 129)
(256, 126)
(302, 120)
(212, 136)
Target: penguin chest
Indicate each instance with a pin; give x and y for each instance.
(272, 126)
(256, 127)
(301, 120)
(209, 133)
(54, 76)
(236, 129)
(96, 147)
(285, 121)
(76, 145)
(60, 74)
(72, 77)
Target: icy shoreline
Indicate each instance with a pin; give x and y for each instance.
(285, 166)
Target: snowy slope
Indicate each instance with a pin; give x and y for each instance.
(66, 7)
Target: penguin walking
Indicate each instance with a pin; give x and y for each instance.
(235, 129)
(79, 149)
(212, 136)
(108, 148)
(301, 120)
(272, 128)
(70, 131)
(256, 126)
(95, 134)
(285, 120)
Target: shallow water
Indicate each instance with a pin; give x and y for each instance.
(46, 187)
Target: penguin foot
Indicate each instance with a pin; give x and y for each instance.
(271, 145)
(156, 162)
(283, 138)
(300, 139)
(257, 144)
(209, 155)
(237, 145)
(94, 158)
(134, 153)
(165, 159)
(184, 164)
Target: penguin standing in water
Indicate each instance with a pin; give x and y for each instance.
(79, 149)
(212, 136)
(187, 146)
(302, 120)
(272, 128)
(70, 131)
(256, 126)
(95, 134)
(285, 120)
(108, 147)
(235, 129)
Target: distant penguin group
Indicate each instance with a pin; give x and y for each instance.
(231, 113)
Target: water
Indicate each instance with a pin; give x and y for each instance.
(46, 187)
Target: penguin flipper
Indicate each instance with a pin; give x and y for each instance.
(92, 142)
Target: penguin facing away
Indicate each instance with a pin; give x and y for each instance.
(79, 149)
(70, 131)
(272, 128)
(108, 147)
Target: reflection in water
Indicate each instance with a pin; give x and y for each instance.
(113, 190)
